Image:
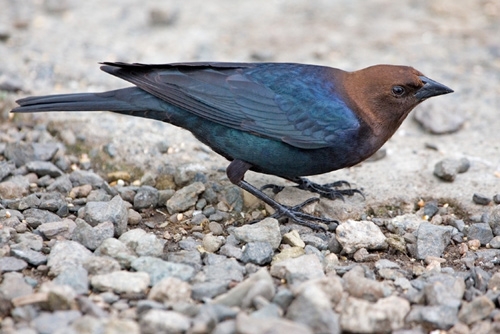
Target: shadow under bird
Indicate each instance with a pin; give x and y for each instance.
(284, 119)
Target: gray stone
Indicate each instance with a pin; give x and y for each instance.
(258, 252)
(98, 195)
(444, 289)
(29, 240)
(134, 217)
(226, 270)
(243, 294)
(440, 317)
(495, 242)
(32, 257)
(495, 220)
(15, 187)
(10, 263)
(66, 255)
(215, 228)
(159, 269)
(298, 270)
(313, 308)
(249, 325)
(59, 297)
(432, 240)
(49, 323)
(57, 229)
(42, 168)
(146, 197)
(231, 251)
(53, 201)
(481, 232)
(192, 258)
(171, 290)
(96, 265)
(76, 277)
(267, 230)
(315, 241)
(225, 327)
(13, 285)
(6, 168)
(354, 235)
(201, 291)
(114, 211)
(447, 169)
(121, 282)
(185, 198)
(143, 243)
(478, 309)
(212, 243)
(268, 310)
(481, 199)
(160, 321)
(21, 153)
(62, 184)
(117, 250)
(92, 237)
(384, 316)
(359, 286)
(36, 217)
(81, 177)
(28, 202)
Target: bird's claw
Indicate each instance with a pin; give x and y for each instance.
(294, 213)
(328, 190)
(274, 188)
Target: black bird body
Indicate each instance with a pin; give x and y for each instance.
(283, 119)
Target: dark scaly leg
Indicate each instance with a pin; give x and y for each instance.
(328, 190)
(236, 171)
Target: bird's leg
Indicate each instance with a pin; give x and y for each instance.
(328, 190)
(236, 171)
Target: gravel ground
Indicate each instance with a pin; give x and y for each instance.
(114, 224)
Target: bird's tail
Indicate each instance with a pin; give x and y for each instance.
(123, 100)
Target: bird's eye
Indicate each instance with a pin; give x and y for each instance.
(398, 91)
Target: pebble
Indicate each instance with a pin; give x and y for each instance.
(495, 242)
(49, 323)
(386, 315)
(298, 270)
(160, 321)
(204, 290)
(185, 198)
(357, 285)
(481, 199)
(495, 220)
(134, 217)
(354, 235)
(447, 169)
(117, 250)
(267, 230)
(315, 241)
(16, 187)
(288, 253)
(432, 240)
(34, 258)
(42, 168)
(58, 229)
(146, 197)
(36, 217)
(212, 243)
(159, 269)
(293, 239)
(439, 317)
(171, 290)
(478, 309)
(96, 265)
(258, 252)
(13, 285)
(82, 177)
(142, 243)
(496, 198)
(481, 232)
(114, 211)
(224, 270)
(92, 237)
(444, 289)
(66, 255)
(121, 282)
(247, 325)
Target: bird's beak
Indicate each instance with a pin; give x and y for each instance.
(431, 88)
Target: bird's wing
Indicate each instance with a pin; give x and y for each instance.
(287, 102)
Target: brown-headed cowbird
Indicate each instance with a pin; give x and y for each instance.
(284, 119)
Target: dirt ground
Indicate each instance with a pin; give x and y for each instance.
(55, 46)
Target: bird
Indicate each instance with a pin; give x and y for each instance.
(290, 120)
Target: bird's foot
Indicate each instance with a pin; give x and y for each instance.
(328, 190)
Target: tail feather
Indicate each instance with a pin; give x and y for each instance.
(117, 100)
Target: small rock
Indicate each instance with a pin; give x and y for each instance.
(82, 177)
(266, 230)
(225, 270)
(121, 282)
(114, 211)
(160, 321)
(495, 220)
(496, 198)
(478, 309)
(134, 217)
(432, 240)
(92, 237)
(48, 323)
(215, 228)
(298, 270)
(80, 191)
(293, 239)
(354, 235)
(97, 265)
(66, 255)
(440, 317)
(60, 297)
(171, 290)
(13, 285)
(16, 187)
(288, 253)
(185, 198)
(481, 232)
(42, 168)
(386, 315)
(495, 242)
(481, 199)
(159, 269)
(6, 168)
(34, 258)
(201, 291)
(248, 325)
(447, 169)
(58, 229)
(259, 252)
(357, 285)
(117, 250)
(444, 289)
(146, 197)
(142, 243)
(36, 217)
